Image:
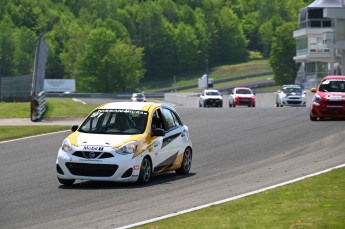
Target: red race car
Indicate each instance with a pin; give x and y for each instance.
(242, 96)
(329, 99)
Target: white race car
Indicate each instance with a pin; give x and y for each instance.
(211, 97)
(125, 142)
(291, 95)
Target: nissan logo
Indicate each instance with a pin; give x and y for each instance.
(91, 154)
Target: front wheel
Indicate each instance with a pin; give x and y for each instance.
(145, 171)
(186, 163)
(312, 118)
(66, 182)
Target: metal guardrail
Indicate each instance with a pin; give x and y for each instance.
(104, 95)
(38, 106)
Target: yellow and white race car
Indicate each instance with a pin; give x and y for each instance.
(125, 142)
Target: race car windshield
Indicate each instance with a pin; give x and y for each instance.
(212, 93)
(115, 121)
(290, 90)
(243, 91)
(332, 86)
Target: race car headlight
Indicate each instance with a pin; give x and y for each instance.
(303, 95)
(128, 148)
(66, 146)
(317, 98)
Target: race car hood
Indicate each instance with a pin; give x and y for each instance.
(213, 97)
(332, 95)
(293, 93)
(104, 140)
(245, 95)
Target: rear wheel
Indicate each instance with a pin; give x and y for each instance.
(66, 182)
(145, 171)
(186, 162)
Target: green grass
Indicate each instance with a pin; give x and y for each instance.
(13, 132)
(221, 72)
(59, 107)
(56, 107)
(316, 202)
(15, 110)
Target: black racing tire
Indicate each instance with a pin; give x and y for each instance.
(312, 118)
(186, 162)
(145, 173)
(66, 182)
(234, 105)
(230, 105)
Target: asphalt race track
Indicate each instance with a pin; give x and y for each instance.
(235, 151)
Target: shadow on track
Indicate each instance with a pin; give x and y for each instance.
(156, 180)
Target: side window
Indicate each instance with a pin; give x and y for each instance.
(157, 120)
(171, 120)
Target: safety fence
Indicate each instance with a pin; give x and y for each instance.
(15, 88)
(38, 98)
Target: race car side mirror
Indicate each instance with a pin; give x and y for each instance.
(74, 128)
(158, 132)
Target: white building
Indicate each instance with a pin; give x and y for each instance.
(320, 41)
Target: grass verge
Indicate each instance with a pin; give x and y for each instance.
(13, 132)
(56, 107)
(316, 202)
(221, 72)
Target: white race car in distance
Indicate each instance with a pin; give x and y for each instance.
(291, 95)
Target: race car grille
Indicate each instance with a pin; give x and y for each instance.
(244, 100)
(335, 103)
(333, 111)
(294, 102)
(92, 155)
(292, 97)
(92, 170)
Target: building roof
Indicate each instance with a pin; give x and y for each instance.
(326, 4)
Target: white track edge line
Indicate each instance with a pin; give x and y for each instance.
(229, 199)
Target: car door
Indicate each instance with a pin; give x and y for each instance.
(172, 140)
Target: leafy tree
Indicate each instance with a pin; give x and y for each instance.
(187, 47)
(170, 10)
(6, 47)
(24, 43)
(91, 66)
(228, 41)
(283, 50)
(108, 65)
(124, 67)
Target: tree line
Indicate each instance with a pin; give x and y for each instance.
(110, 45)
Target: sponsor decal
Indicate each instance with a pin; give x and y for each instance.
(136, 167)
(118, 111)
(93, 148)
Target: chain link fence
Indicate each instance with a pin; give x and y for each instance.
(15, 88)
